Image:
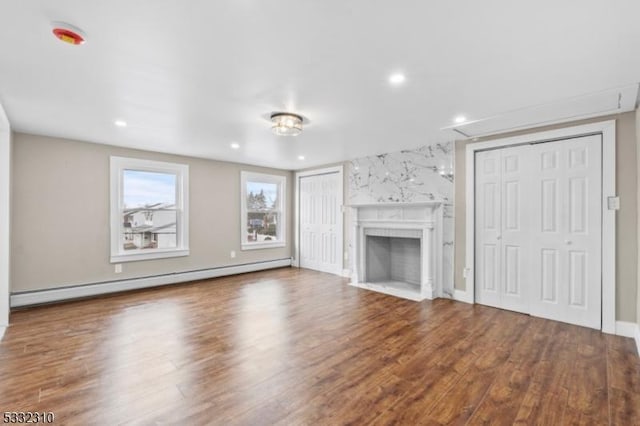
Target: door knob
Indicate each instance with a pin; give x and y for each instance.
(567, 242)
(499, 237)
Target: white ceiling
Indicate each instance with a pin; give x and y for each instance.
(191, 77)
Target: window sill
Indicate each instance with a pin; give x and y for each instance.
(134, 257)
(257, 246)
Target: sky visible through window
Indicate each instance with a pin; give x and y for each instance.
(270, 191)
(147, 188)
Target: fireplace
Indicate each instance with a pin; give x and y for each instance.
(393, 261)
(396, 249)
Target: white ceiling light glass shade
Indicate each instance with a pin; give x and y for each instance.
(286, 124)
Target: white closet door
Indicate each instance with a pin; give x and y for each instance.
(539, 229)
(503, 227)
(488, 226)
(320, 224)
(567, 246)
(309, 239)
(516, 227)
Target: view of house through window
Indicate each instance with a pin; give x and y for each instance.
(149, 209)
(262, 208)
(262, 211)
(149, 214)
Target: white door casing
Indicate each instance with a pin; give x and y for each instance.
(320, 221)
(5, 218)
(538, 229)
(607, 129)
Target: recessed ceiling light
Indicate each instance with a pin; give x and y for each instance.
(460, 119)
(300, 157)
(397, 79)
(120, 123)
(235, 145)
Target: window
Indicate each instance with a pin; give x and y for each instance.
(263, 214)
(149, 209)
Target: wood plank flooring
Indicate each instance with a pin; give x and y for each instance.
(298, 347)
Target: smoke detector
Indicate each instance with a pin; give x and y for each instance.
(68, 33)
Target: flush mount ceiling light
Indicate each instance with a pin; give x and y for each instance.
(67, 33)
(460, 119)
(286, 124)
(120, 123)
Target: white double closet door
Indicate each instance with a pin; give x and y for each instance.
(539, 229)
(321, 223)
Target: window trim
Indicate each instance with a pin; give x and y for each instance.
(246, 176)
(117, 166)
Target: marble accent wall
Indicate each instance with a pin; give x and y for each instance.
(409, 176)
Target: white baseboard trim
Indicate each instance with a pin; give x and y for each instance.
(346, 273)
(462, 296)
(626, 329)
(2, 330)
(428, 293)
(638, 339)
(97, 289)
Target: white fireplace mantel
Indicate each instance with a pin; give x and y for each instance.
(421, 220)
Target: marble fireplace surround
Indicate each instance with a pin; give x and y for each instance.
(421, 220)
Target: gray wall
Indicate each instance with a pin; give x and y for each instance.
(626, 232)
(60, 222)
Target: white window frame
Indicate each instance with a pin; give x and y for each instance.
(118, 165)
(266, 178)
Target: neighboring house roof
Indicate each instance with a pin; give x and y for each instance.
(152, 229)
(157, 206)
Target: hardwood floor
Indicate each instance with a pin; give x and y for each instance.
(293, 347)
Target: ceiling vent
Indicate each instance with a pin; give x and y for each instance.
(614, 101)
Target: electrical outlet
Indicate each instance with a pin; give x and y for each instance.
(233, 254)
(465, 272)
(118, 268)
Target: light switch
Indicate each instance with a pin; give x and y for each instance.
(613, 203)
(118, 268)
(233, 254)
